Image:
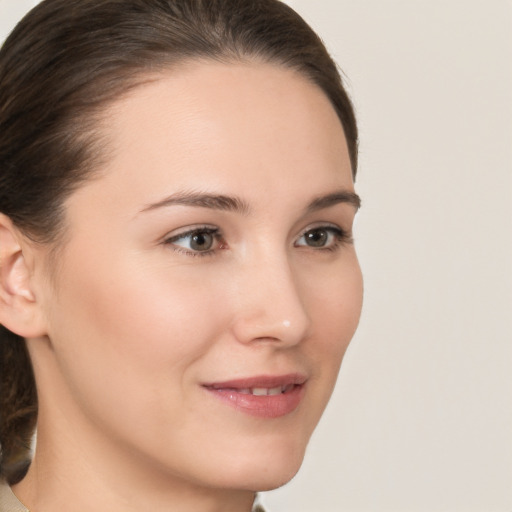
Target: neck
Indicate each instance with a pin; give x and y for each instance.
(75, 487)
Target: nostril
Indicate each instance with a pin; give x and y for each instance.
(272, 310)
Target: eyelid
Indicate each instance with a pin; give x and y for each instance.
(328, 226)
(188, 230)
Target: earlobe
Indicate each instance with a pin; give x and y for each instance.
(19, 310)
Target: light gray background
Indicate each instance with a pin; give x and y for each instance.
(422, 416)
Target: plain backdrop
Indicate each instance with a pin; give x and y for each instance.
(422, 416)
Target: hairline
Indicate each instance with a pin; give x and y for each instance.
(132, 78)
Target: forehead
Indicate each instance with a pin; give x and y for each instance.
(239, 126)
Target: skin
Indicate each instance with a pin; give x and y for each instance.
(135, 321)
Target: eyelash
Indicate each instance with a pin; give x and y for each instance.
(341, 237)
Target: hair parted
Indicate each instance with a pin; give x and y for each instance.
(68, 60)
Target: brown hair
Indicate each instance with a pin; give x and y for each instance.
(60, 67)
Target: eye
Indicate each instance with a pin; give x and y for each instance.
(199, 240)
(322, 237)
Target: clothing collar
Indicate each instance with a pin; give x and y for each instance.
(8, 500)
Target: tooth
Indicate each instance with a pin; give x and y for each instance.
(259, 391)
(275, 391)
(245, 391)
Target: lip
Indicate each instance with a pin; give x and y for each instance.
(235, 393)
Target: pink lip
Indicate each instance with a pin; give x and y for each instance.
(235, 393)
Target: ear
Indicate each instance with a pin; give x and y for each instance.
(19, 310)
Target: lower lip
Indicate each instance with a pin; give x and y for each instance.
(266, 406)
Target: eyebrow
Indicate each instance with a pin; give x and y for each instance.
(342, 196)
(212, 201)
(238, 205)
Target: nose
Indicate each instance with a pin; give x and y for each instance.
(270, 304)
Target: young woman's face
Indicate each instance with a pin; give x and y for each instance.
(209, 287)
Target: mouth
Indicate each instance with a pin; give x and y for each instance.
(263, 396)
(266, 391)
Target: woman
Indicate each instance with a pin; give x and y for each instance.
(178, 278)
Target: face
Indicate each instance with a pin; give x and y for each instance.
(209, 285)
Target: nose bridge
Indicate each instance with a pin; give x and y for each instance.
(270, 306)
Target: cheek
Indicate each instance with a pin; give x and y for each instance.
(127, 342)
(131, 331)
(334, 298)
(335, 309)
(137, 312)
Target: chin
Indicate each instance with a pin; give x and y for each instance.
(266, 470)
(264, 479)
(274, 480)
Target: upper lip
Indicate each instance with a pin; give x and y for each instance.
(260, 381)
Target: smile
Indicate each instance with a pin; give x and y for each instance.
(266, 391)
(264, 397)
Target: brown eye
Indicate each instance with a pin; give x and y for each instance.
(322, 237)
(316, 237)
(201, 240)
